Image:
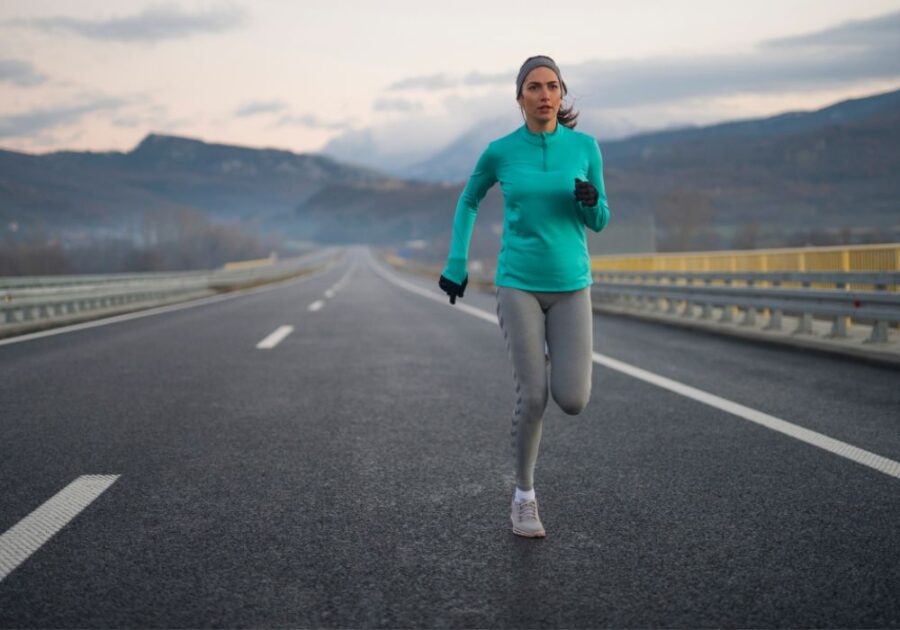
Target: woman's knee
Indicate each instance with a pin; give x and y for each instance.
(532, 404)
(572, 403)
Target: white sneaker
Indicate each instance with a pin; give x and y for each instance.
(525, 519)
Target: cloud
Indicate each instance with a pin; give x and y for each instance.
(476, 78)
(153, 24)
(851, 52)
(260, 107)
(620, 97)
(398, 142)
(126, 122)
(20, 73)
(877, 31)
(846, 54)
(311, 121)
(34, 122)
(396, 105)
(439, 81)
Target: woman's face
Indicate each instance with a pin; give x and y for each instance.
(541, 95)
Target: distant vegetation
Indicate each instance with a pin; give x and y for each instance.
(802, 178)
(168, 240)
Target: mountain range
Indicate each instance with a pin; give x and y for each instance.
(834, 168)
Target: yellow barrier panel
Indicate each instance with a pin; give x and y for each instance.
(250, 264)
(884, 257)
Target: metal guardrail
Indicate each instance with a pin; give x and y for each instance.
(682, 295)
(45, 298)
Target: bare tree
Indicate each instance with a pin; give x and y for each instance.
(746, 236)
(685, 219)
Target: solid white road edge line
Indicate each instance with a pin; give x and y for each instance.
(856, 454)
(29, 534)
(346, 277)
(274, 338)
(162, 309)
(813, 438)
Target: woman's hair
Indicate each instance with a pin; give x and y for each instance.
(566, 116)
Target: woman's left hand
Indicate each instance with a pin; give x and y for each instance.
(586, 193)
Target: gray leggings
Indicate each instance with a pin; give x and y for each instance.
(564, 320)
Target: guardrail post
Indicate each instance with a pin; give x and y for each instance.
(775, 313)
(879, 328)
(804, 324)
(804, 321)
(727, 315)
(688, 305)
(879, 333)
(645, 301)
(839, 327)
(750, 311)
(631, 300)
(706, 313)
(672, 308)
(652, 302)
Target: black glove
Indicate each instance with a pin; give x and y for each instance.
(586, 193)
(452, 289)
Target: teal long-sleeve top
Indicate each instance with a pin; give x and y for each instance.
(543, 247)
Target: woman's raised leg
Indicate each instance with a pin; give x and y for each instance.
(570, 335)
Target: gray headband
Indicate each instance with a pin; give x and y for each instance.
(537, 62)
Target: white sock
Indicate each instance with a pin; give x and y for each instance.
(524, 495)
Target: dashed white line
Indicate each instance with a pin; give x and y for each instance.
(329, 293)
(29, 534)
(315, 306)
(274, 338)
(820, 440)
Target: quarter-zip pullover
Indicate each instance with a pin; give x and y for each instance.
(543, 247)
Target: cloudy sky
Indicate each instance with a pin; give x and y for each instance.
(403, 78)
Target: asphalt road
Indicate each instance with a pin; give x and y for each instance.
(358, 474)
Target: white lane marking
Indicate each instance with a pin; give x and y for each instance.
(329, 293)
(274, 338)
(27, 536)
(820, 440)
(315, 306)
(861, 456)
(340, 283)
(164, 309)
(438, 297)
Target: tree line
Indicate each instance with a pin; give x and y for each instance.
(177, 239)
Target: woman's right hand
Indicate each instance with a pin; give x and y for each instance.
(453, 289)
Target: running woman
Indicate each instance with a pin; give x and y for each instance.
(552, 182)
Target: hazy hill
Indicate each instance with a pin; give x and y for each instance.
(455, 161)
(797, 178)
(836, 167)
(755, 182)
(109, 190)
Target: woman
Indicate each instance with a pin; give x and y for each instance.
(552, 182)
